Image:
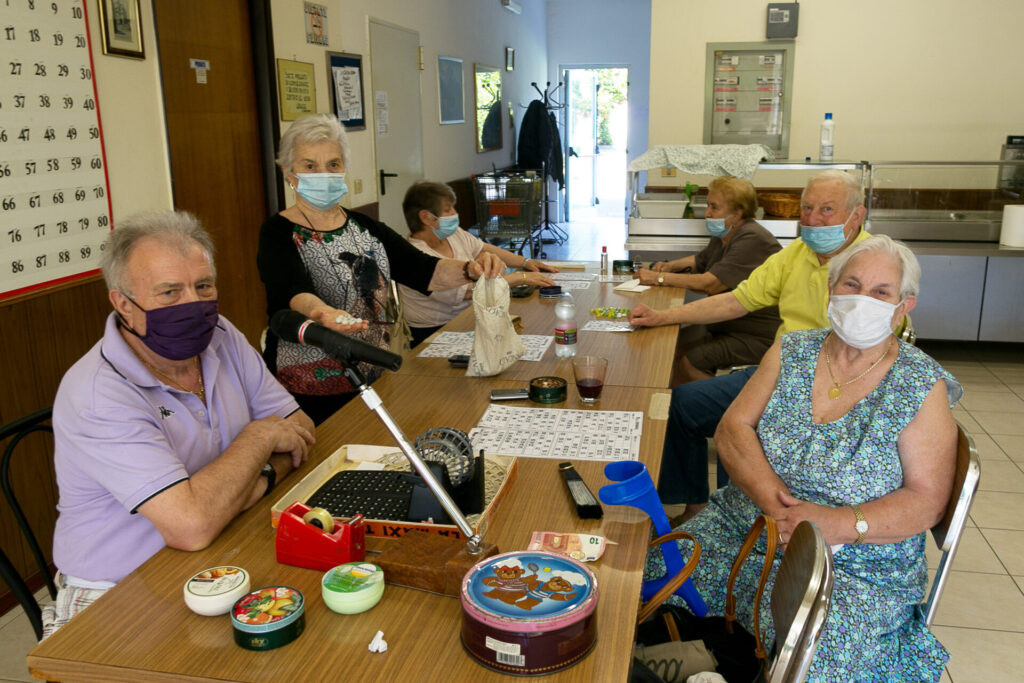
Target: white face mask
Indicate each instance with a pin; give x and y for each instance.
(860, 321)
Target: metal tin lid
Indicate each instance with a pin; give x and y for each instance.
(529, 591)
(267, 609)
(213, 591)
(353, 577)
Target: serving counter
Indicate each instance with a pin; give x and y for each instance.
(948, 213)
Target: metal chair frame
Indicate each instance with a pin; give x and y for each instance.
(948, 531)
(800, 601)
(16, 431)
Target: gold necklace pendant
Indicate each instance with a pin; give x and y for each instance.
(834, 392)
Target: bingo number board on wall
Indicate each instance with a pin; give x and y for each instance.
(54, 195)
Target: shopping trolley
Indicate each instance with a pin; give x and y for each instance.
(508, 210)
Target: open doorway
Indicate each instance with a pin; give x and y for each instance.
(596, 128)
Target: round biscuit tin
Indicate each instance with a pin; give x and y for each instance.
(529, 613)
(547, 389)
(213, 591)
(269, 617)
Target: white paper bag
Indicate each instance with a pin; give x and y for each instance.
(495, 342)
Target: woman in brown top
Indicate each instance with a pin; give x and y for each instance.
(738, 245)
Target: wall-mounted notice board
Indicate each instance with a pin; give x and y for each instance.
(54, 195)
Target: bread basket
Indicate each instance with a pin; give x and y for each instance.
(781, 204)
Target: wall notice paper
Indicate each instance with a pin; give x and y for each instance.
(348, 93)
(449, 344)
(608, 326)
(296, 89)
(559, 433)
(316, 24)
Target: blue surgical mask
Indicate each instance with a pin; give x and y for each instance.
(322, 190)
(446, 226)
(824, 239)
(716, 226)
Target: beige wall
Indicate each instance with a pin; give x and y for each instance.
(132, 113)
(473, 30)
(905, 80)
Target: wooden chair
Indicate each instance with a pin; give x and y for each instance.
(16, 431)
(799, 603)
(948, 531)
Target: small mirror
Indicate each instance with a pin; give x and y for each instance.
(488, 107)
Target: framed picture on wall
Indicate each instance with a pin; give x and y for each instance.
(450, 90)
(121, 27)
(345, 75)
(296, 89)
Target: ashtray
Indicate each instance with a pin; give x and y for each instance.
(547, 389)
(550, 292)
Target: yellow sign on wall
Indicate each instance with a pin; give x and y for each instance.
(296, 89)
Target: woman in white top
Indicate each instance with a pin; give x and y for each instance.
(429, 210)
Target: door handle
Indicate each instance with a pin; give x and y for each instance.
(384, 175)
(573, 153)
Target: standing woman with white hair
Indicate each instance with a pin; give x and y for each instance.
(333, 265)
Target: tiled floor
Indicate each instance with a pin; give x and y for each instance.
(981, 614)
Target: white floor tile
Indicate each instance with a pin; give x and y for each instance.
(1012, 445)
(1000, 422)
(998, 510)
(988, 449)
(967, 422)
(1008, 546)
(1004, 401)
(988, 601)
(16, 639)
(973, 555)
(981, 656)
(1001, 475)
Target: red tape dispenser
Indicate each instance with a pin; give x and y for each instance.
(311, 538)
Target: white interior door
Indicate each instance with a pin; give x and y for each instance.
(397, 119)
(581, 137)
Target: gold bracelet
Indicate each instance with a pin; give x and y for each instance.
(524, 276)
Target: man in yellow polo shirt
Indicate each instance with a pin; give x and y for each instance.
(794, 279)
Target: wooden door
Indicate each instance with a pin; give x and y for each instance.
(213, 135)
(398, 137)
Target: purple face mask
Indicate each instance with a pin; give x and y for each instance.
(181, 331)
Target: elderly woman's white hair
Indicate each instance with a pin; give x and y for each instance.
(854, 191)
(910, 269)
(310, 130)
(177, 229)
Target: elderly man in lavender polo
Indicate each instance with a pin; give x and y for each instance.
(170, 425)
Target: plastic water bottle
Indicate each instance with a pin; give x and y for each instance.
(828, 131)
(565, 328)
(604, 260)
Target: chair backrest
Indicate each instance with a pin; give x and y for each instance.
(950, 528)
(800, 600)
(16, 431)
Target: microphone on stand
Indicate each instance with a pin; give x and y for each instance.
(292, 326)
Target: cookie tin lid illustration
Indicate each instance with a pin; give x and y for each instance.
(529, 591)
(213, 591)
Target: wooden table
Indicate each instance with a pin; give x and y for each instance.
(141, 630)
(642, 358)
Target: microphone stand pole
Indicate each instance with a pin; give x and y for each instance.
(375, 404)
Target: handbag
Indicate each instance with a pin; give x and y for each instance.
(740, 656)
(496, 345)
(400, 334)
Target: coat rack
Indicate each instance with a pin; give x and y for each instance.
(558, 235)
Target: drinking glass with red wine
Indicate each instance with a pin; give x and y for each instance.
(589, 372)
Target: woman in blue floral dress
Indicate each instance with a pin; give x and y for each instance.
(850, 429)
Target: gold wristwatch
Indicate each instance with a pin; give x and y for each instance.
(661, 279)
(861, 526)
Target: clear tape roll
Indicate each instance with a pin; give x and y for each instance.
(319, 518)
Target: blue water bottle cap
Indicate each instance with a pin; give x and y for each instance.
(828, 116)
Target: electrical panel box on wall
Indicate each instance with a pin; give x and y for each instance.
(782, 19)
